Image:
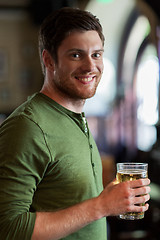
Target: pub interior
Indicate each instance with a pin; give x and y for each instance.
(124, 115)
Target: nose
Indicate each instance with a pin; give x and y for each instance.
(89, 64)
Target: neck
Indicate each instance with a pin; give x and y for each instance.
(69, 103)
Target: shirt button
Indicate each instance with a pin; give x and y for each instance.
(91, 146)
(93, 164)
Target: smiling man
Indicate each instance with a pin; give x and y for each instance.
(76, 75)
(50, 169)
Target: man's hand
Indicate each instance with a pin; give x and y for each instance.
(118, 198)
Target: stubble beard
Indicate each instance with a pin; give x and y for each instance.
(71, 91)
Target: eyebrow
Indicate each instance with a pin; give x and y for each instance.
(81, 50)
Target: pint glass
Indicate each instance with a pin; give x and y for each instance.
(130, 172)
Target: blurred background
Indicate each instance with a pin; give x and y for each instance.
(124, 114)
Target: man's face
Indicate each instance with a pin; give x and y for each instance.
(79, 66)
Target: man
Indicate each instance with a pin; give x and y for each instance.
(50, 168)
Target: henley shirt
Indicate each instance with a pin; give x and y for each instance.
(48, 161)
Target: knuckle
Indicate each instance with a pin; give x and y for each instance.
(128, 209)
(127, 193)
(141, 181)
(144, 199)
(141, 209)
(128, 202)
(130, 193)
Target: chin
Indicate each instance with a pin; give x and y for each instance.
(88, 96)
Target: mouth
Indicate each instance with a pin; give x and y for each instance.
(86, 79)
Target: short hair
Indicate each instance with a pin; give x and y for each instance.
(59, 24)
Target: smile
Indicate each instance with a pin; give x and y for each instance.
(85, 79)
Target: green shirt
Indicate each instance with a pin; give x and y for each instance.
(48, 161)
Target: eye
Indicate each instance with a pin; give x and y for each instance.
(75, 55)
(97, 55)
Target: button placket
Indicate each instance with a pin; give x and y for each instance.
(91, 150)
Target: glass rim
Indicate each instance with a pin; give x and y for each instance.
(132, 164)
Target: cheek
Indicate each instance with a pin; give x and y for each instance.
(66, 68)
(102, 66)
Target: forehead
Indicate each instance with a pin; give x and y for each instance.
(82, 40)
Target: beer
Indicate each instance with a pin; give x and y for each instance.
(131, 172)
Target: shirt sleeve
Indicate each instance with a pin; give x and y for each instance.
(23, 159)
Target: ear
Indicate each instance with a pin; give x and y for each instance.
(48, 60)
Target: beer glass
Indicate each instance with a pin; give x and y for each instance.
(129, 172)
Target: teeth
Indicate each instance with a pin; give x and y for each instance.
(86, 79)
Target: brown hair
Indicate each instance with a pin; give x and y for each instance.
(58, 25)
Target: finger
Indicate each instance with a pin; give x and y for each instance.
(141, 191)
(141, 199)
(139, 182)
(140, 208)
